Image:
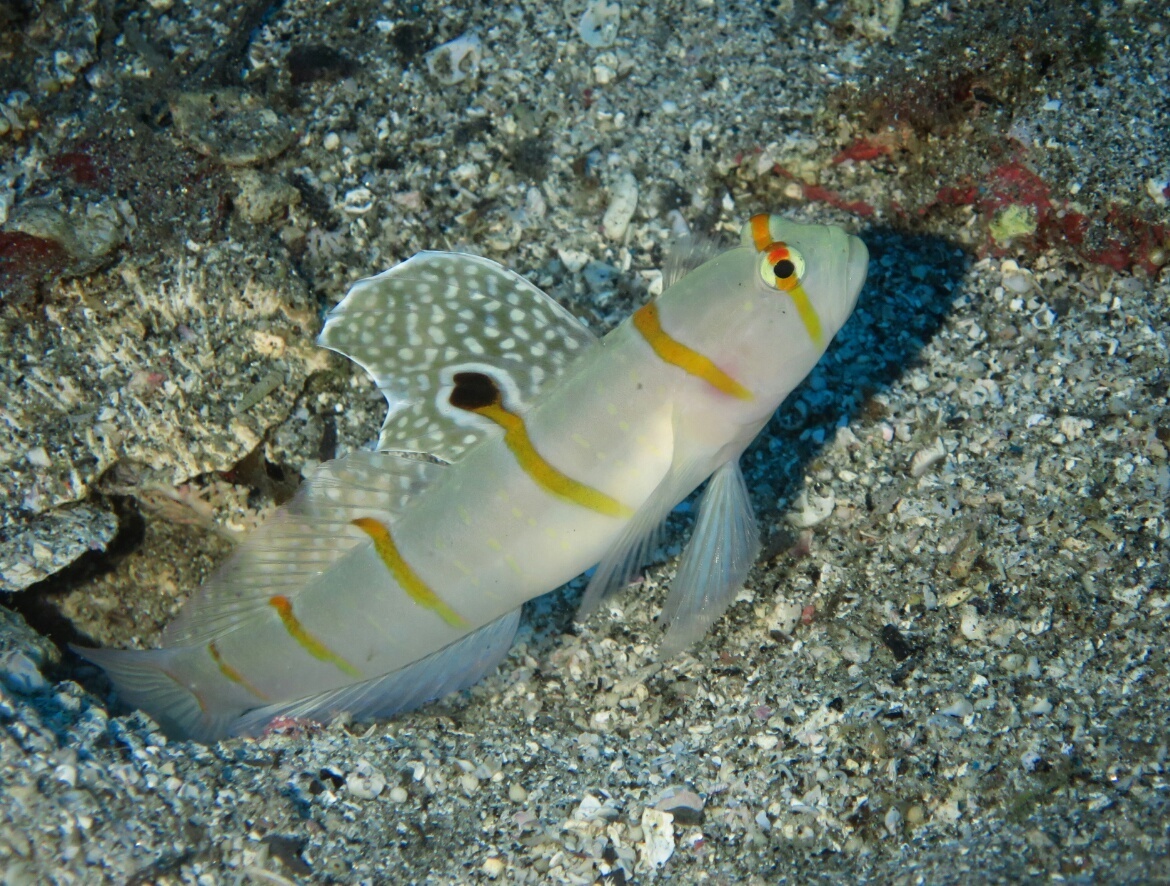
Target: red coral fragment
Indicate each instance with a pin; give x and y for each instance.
(1073, 226)
(824, 195)
(80, 166)
(1014, 184)
(20, 249)
(25, 262)
(862, 150)
(957, 196)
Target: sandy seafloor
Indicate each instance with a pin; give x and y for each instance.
(950, 664)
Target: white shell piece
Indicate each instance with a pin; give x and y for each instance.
(785, 617)
(658, 845)
(925, 459)
(599, 23)
(809, 510)
(623, 200)
(455, 61)
(359, 201)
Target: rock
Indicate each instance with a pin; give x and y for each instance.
(684, 804)
(231, 125)
(50, 542)
(262, 196)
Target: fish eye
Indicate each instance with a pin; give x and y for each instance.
(781, 267)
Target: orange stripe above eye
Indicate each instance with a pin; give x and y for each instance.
(761, 235)
(671, 351)
(409, 580)
(311, 645)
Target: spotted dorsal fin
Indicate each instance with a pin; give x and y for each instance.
(440, 315)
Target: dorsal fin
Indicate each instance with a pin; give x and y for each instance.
(301, 540)
(416, 326)
(686, 254)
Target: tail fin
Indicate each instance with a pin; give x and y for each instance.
(144, 679)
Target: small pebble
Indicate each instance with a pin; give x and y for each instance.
(623, 200)
(958, 709)
(365, 782)
(925, 459)
(810, 509)
(598, 25)
(456, 61)
(893, 821)
(493, 866)
(684, 804)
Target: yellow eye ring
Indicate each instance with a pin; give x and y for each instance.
(781, 267)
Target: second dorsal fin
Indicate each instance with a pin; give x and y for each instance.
(439, 315)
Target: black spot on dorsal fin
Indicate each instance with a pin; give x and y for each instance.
(474, 390)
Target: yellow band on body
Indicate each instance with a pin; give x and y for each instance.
(808, 315)
(559, 484)
(232, 673)
(671, 351)
(407, 578)
(309, 643)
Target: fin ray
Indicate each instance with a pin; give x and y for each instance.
(638, 540)
(688, 253)
(142, 681)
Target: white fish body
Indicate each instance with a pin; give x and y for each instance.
(391, 580)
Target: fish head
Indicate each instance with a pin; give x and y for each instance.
(755, 318)
(819, 268)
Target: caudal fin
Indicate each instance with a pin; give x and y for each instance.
(143, 679)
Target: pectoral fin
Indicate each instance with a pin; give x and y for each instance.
(715, 562)
(639, 538)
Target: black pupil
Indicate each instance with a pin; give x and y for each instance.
(783, 269)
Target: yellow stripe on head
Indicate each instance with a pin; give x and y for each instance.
(309, 643)
(672, 351)
(808, 314)
(407, 578)
(478, 392)
(782, 268)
